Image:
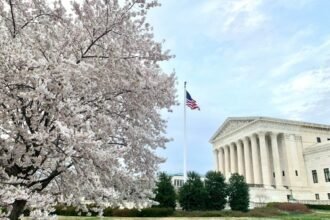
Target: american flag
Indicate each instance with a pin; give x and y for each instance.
(190, 102)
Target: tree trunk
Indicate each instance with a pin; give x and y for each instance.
(18, 208)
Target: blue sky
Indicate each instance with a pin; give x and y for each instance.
(243, 58)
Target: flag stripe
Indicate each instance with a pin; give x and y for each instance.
(191, 103)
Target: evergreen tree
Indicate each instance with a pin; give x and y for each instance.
(192, 195)
(165, 193)
(216, 190)
(238, 192)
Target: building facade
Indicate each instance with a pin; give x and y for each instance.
(177, 180)
(280, 159)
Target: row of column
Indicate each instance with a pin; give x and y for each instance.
(250, 157)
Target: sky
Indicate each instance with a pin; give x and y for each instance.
(242, 58)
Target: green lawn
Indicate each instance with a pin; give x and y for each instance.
(145, 218)
(316, 215)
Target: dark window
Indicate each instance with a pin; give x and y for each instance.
(327, 175)
(296, 172)
(283, 174)
(328, 139)
(328, 195)
(314, 174)
(273, 174)
(317, 196)
(288, 197)
(318, 139)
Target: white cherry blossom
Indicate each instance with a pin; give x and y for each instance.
(81, 92)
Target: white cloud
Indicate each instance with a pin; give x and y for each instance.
(293, 4)
(290, 61)
(233, 17)
(317, 55)
(303, 94)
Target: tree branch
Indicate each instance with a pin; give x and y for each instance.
(12, 17)
(32, 19)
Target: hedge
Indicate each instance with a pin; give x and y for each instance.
(147, 212)
(125, 212)
(264, 212)
(108, 211)
(3, 210)
(156, 212)
(289, 207)
(257, 212)
(322, 207)
(73, 211)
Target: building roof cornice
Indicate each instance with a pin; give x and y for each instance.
(253, 120)
(317, 148)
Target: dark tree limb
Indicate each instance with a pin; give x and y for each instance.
(18, 208)
(12, 18)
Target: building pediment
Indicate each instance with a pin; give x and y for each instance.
(232, 124)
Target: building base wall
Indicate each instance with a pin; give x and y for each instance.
(264, 195)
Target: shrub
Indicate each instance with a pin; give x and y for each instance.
(125, 212)
(165, 193)
(192, 195)
(3, 210)
(272, 204)
(147, 212)
(26, 212)
(293, 207)
(92, 210)
(290, 207)
(73, 211)
(216, 190)
(264, 212)
(238, 192)
(65, 210)
(156, 212)
(322, 207)
(108, 211)
(208, 214)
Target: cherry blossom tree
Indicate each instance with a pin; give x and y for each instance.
(81, 95)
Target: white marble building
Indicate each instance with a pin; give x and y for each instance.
(177, 180)
(280, 159)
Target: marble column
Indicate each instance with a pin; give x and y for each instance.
(276, 161)
(265, 164)
(226, 154)
(220, 160)
(240, 159)
(255, 160)
(247, 161)
(215, 153)
(292, 158)
(302, 176)
(233, 168)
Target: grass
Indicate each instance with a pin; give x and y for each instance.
(315, 215)
(256, 215)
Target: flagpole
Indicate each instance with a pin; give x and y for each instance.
(185, 135)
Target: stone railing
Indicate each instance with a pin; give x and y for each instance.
(256, 185)
(257, 204)
(311, 202)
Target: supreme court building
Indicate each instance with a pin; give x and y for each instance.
(280, 159)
